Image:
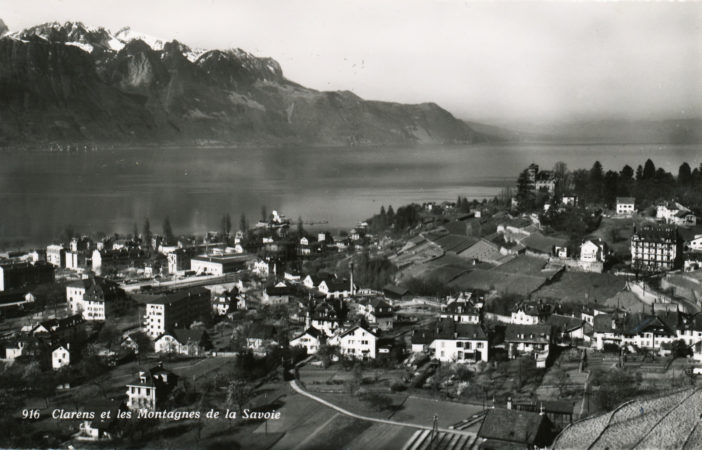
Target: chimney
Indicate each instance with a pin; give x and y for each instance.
(509, 402)
(351, 289)
(307, 321)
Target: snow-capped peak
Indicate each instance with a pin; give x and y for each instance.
(126, 35)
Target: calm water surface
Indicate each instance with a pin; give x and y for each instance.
(43, 193)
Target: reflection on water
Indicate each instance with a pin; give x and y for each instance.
(43, 193)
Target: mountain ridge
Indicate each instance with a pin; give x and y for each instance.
(69, 83)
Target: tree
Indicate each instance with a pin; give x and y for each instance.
(239, 394)
(595, 181)
(226, 225)
(135, 232)
(264, 213)
(610, 188)
(684, 174)
(390, 216)
(300, 226)
(243, 224)
(649, 170)
(525, 191)
(147, 232)
(168, 231)
(378, 401)
(639, 173)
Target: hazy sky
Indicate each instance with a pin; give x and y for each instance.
(496, 62)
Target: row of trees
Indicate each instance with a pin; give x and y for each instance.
(599, 187)
(405, 218)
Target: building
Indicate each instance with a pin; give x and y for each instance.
(67, 329)
(593, 250)
(625, 206)
(60, 356)
(336, 288)
(179, 260)
(91, 296)
(461, 311)
(525, 339)
(184, 342)
(311, 339)
(459, 342)
(56, 255)
(511, 429)
(150, 389)
(278, 295)
(218, 265)
(545, 181)
(380, 314)
(655, 248)
(326, 317)
(178, 309)
(358, 343)
(103, 259)
(19, 275)
(261, 338)
(393, 292)
(224, 302)
(676, 214)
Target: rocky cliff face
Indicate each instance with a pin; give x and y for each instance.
(70, 83)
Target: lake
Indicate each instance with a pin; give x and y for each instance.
(43, 193)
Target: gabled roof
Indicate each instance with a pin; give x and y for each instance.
(312, 331)
(512, 426)
(461, 307)
(539, 333)
(262, 331)
(564, 323)
(184, 336)
(626, 200)
(351, 330)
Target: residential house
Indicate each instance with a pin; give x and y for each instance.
(326, 317)
(461, 311)
(567, 329)
(625, 206)
(90, 297)
(676, 214)
(179, 259)
(336, 288)
(593, 250)
(656, 247)
(524, 339)
(313, 281)
(358, 343)
(545, 182)
(194, 342)
(278, 295)
(311, 339)
(102, 427)
(459, 342)
(380, 315)
(68, 329)
(224, 302)
(151, 389)
(60, 355)
(261, 338)
(530, 313)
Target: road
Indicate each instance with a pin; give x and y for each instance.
(296, 388)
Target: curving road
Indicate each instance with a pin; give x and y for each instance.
(299, 390)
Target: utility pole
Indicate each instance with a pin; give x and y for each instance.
(434, 431)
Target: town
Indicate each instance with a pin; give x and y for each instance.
(564, 313)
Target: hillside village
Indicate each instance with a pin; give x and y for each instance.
(557, 301)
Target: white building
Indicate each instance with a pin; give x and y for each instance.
(142, 393)
(310, 339)
(60, 356)
(459, 342)
(358, 343)
(87, 298)
(525, 314)
(218, 265)
(56, 255)
(593, 251)
(625, 205)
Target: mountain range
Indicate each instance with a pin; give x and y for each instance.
(69, 83)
